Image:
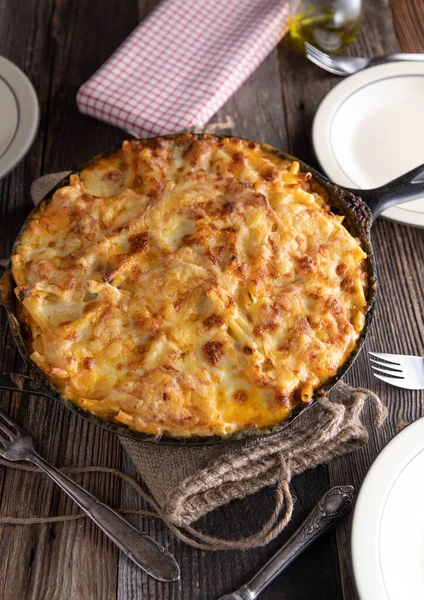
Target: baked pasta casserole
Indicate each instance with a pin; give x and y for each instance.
(190, 286)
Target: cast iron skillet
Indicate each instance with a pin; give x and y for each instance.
(360, 208)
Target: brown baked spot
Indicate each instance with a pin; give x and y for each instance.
(191, 240)
(281, 398)
(259, 330)
(68, 283)
(262, 381)
(155, 187)
(268, 364)
(114, 175)
(270, 174)
(284, 347)
(302, 326)
(306, 264)
(196, 151)
(348, 285)
(181, 299)
(213, 352)
(314, 295)
(139, 242)
(229, 207)
(141, 349)
(239, 157)
(248, 350)
(341, 269)
(334, 306)
(240, 396)
(146, 322)
(213, 321)
(88, 363)
(263, 328)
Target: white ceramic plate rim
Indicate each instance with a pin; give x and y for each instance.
(370, 505)
(28, 115)
(321, 128)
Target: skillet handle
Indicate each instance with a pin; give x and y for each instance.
(22, 383)
(405, 188)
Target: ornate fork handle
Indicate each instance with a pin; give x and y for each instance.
(330, 509)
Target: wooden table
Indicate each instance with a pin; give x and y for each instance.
(59, 44)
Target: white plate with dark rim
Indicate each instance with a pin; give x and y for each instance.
(19, 115)
(388, 522)
(370, 129)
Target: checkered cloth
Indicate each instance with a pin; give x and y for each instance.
(182, 63)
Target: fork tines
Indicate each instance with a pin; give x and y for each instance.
(399, 370)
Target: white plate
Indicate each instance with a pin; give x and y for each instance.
(19, 115)
(388, 523)
(370, 129)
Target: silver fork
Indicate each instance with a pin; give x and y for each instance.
(16, 444)
(399, 370)
(347, 65)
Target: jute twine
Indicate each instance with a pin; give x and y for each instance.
(185, 483)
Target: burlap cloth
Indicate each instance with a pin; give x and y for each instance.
(185, 483)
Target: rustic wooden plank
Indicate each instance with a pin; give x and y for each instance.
(258, 112)
(409, 24)
(59, 44)
(30, 57)
(85, 34)
(25, 21)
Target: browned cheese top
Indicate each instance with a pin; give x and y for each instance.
(190, 286)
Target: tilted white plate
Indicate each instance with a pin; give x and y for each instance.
(388, 523)
(370, 129)
(19, 115)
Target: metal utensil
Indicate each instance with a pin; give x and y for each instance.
(334, 505)
(347, 65)
(16, 444)
(399, 370)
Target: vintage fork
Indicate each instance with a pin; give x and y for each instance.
(399, 370)
(16, 444)
(347, 65)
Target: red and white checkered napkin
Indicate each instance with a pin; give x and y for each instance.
(182, 63)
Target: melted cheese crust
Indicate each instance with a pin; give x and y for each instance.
(191, 285)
